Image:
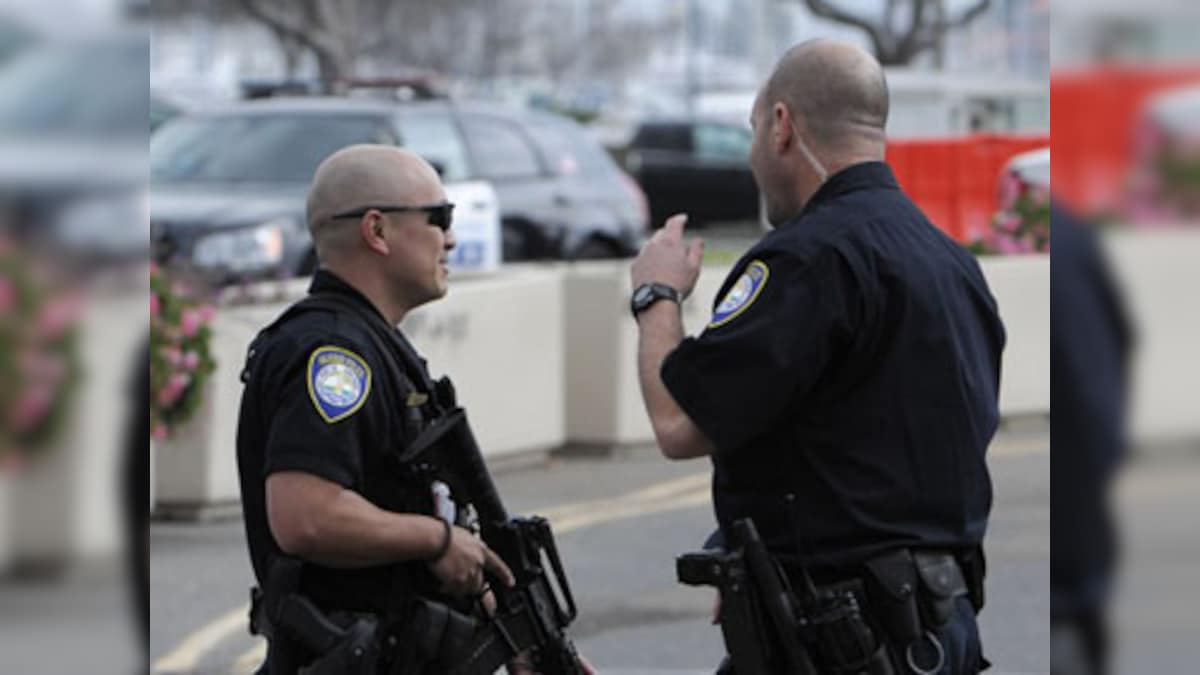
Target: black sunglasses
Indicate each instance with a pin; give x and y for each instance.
(440, 215)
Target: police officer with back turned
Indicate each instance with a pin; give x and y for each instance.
(846, 385)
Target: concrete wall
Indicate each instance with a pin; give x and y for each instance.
(604, 404)
(1158, 272)
(1021, 286)
(499, 338)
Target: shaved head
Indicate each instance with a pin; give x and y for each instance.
(359, 176)
(838, 89)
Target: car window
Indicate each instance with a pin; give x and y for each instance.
(436, 138)
(663, 137)
(569, 151)
(283, 148)
(87, 89)
(720, 141)
(499, 148)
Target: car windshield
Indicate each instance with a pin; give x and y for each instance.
(282, 148)
(89, 89)
(568, 151)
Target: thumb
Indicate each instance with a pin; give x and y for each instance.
(674, 225)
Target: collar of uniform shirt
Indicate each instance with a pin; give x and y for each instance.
(861, 176)
(324, 281)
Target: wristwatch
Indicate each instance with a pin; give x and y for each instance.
(648, 294)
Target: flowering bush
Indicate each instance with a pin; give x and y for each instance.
(180, 361)
(39, 362)
(1022, 225)
(1164, 184)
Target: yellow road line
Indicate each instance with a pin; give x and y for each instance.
(249, 661)
(185, 657)
(678, 493)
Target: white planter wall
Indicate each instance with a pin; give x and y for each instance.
(1159, 272)
(1021, 286)
(547, 355)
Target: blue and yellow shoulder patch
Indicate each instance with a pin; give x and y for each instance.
(742, 294)
(339, 382)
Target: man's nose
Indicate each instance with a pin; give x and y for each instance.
(451, 239)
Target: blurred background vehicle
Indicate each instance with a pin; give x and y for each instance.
(73, 113)
(700, 167)
(162, 110)
(229, 185)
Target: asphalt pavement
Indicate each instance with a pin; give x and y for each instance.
(621, 519)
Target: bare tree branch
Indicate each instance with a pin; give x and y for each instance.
(970, 15)
(827, 10)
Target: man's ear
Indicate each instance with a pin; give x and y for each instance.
(781, 122)
(370, 228)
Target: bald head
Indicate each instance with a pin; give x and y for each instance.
(364, 175)
(838, 88)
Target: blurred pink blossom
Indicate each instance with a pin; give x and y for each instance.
(190, 323)
(171, 392)
(155, 305)
(8, 295)
(1008, 223)
(1010, 190)
(207, 313)
(31, 408)
(159, 432)
(172, 354)
(191, 360)
(58, 315)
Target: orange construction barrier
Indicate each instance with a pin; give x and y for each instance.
(955, 180)
(1095, 114)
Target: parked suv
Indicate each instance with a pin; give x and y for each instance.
(561, 195)
(228, 186)
(701, 167)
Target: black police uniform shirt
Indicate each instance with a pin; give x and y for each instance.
(853, 361)
(319, 400)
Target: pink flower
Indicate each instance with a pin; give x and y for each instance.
(172, 354)
(1039, 194)
(207, 313)
(58, 315)
(171, 392)
(189, 323)
(31, 408)
(8, 296)
(45, 368)
(1008, 245)
(1008, 223)
(155, 305)
(159, 432)
(191, 360)
(1010, 190)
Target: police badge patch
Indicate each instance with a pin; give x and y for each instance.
(338, 382)
(742, 294)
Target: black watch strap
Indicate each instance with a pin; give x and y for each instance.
(647, 294)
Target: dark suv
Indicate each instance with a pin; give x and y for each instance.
(701, 167)
(242, 171)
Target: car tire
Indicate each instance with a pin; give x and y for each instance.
(597, 249)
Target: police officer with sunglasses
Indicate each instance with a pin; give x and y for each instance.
(344, 537)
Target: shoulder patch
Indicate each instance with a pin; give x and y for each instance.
(339, 382)
(742, 294)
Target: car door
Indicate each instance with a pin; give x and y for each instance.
(661, 160)
(434, 134)
(532, 213)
